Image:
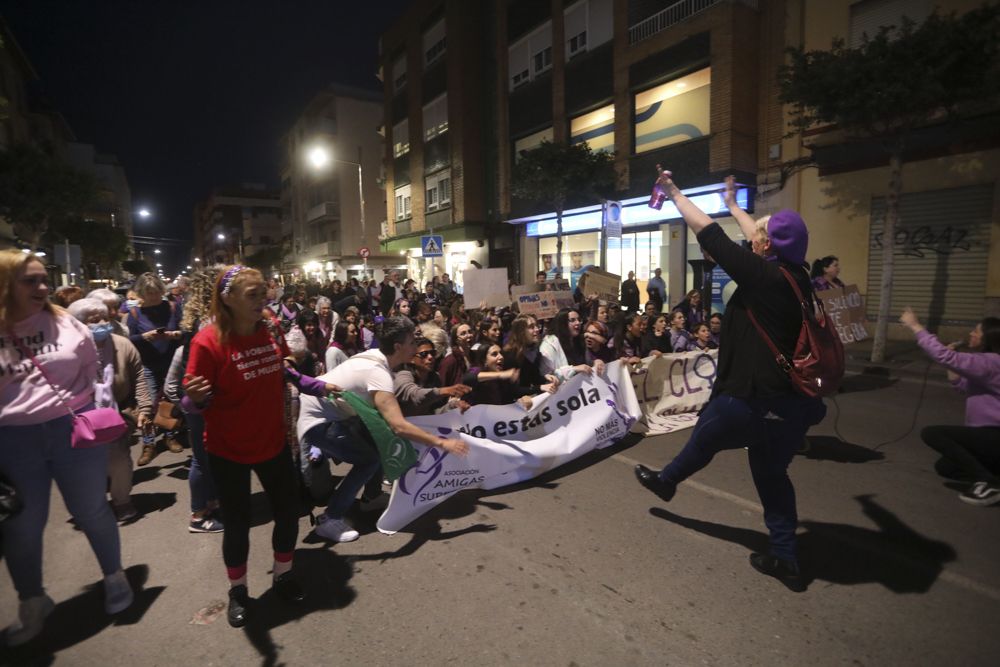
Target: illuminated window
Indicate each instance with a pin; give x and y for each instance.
(438, 187)
(403, 202)
(531, 141)
(596, 129)
(436, 117)
(401, 138)
(673, 112)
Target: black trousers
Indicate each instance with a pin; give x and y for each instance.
(232, 480)
(974, 450)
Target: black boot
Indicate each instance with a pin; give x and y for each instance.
(651, 480)
(785, 571)
(239, 601)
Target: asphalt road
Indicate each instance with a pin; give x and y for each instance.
(580, 567)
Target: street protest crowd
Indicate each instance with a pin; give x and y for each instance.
(280, 380)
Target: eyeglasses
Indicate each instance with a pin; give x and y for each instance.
(426, 353)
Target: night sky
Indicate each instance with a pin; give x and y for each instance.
(190, 95)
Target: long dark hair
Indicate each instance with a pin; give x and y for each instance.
(819, 266)
(621, 331)
(518, 341)
(991, 334)
(572, 347)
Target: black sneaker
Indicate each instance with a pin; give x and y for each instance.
(785, 571)
(651, 480)
(982, 494)
(239, 601)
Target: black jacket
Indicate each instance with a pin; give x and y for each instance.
(747, 369)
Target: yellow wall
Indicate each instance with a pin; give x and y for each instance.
(837, 208)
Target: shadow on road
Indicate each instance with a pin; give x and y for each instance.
(829, 448)
(324, 575)
(81, 617)
(871, 378)
(148, 503)
(895, 555)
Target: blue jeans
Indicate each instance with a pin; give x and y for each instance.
(348, 441)
(772, 430)
(32, 457)
(199, 478)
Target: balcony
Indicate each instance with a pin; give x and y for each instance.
(674, 14)
(328, 209)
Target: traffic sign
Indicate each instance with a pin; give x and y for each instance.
(432, 246)
(364, 253)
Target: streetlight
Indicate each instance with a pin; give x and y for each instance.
(144, 213)
(319, 157)
(157, 251)
(222, 237)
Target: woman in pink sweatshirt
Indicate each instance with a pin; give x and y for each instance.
(973, 450)
(35, 429)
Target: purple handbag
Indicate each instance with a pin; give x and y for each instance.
(93, 427)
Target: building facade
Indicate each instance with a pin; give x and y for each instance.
(333, 162)
(237, 222)
(438, 68)
(947, 256)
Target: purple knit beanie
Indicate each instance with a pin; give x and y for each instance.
(789, 236)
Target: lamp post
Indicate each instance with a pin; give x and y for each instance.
(239, 239)
(320, 157)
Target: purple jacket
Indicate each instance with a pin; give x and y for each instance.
(979, 381)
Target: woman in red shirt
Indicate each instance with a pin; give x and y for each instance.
(235, 378)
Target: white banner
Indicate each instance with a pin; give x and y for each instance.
(508, 445)
(672, 389)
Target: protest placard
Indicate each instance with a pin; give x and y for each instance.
(489, 285)
(543, 305)
(605, 285)
(846, 309)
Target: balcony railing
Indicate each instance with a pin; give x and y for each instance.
(675, 13)
(327, 209)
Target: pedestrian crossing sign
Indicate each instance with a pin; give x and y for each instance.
(431, 246)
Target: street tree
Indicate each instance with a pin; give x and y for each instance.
(560, 176)
(267, 259)
(37, 189)
(102, 245)
(896, 82)
(137, 267)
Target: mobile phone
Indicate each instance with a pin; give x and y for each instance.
(161, 330)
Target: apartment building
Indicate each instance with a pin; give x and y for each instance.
(655, 82)
(331, 187)
(947, 255)
(236, 222)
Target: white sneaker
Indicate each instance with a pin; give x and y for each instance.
(31, 619)
(335, 530)
(118, 594)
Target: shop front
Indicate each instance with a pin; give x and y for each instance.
(461, 246)
(650, 239)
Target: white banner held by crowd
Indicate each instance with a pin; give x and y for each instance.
(673, 389)
(508, 445)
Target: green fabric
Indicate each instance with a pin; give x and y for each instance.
(397, 454)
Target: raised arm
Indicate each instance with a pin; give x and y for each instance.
(747, 224)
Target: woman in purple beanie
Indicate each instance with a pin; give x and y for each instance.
(753, 403)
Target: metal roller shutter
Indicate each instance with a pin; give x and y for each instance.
(942, 250)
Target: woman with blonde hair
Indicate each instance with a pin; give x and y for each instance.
(154, 329)
(204, 498)
(236, 377)
(50, 367)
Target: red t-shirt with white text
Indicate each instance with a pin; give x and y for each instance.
(245, 419)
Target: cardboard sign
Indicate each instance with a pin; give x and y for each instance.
(544, 305)
(846, 309)
(489, 285)
(605, 285)
(554, 285)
